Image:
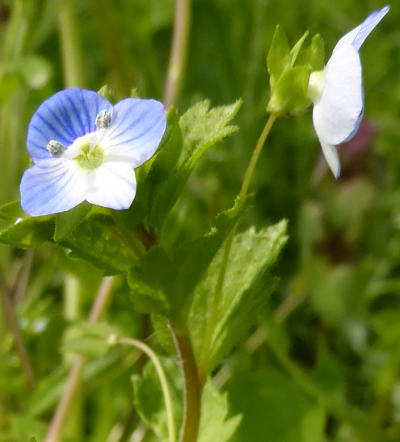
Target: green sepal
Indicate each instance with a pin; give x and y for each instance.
(313, 55)
(108, 93)
(290, 93)
(294, 52)
(278, 58)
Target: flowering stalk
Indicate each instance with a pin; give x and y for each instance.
(203, 369)
(163, 380)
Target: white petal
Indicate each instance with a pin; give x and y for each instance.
(112, 185)
(357, 36)
(332, 158)
(337, 115)
(53, 187)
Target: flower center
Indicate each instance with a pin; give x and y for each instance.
(316, 85)
(90, 157)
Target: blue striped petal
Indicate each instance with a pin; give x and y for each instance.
(357, 36)
(52, 189)
(63, 117)
(112, 185)
(135, 132)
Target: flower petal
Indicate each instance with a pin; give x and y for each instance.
(135, 132)
(112, 185)
(337, 115)
(52, 189)
(63, 117)
(357, 36)
(332, 158)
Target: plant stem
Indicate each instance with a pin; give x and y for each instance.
(70, 47)
(192, 387)
(163, 380)
(9, 316)
(59, 419)
(177, 61)
(212, 319)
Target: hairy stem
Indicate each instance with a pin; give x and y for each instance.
(213, 317)
(192, 386)
(177, 61)
(60, 416)
(70, 46)
(163, 380)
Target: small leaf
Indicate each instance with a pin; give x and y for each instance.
(290, 93)
(313, 55)
(202, 127)
(66, 222)
(278, 58)
(28, 232)
(215, 425)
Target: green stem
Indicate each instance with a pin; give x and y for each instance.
(214, 313)
(70, 46)
(192, 386)
(57, 424)
(177, 61)
(163, 381)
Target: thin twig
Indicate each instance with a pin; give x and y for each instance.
(59, 419)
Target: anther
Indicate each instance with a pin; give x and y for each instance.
(103, 119)
(55, 148)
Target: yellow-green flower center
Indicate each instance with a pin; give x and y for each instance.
(91, 157)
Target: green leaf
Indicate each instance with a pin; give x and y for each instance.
(202, 127)
(108, 93)
(155, 291)
(313, 55)
(66, 222)
(28, 232)
(279, 57)
(149, 400)
(245, 291)
(98, 240)
(290, 92)
(294, 52)
(215, 425)
(198, 129)
(292, 416)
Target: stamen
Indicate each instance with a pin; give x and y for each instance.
(103, 119)
(55, 148)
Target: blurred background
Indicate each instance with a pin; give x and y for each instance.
(323, 363)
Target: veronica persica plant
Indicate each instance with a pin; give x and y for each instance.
(337, 91)
(83, 148)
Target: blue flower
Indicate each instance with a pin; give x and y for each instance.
(337, 91)
(83, 148)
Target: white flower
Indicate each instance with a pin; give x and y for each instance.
(83, 148)
(337, 91)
